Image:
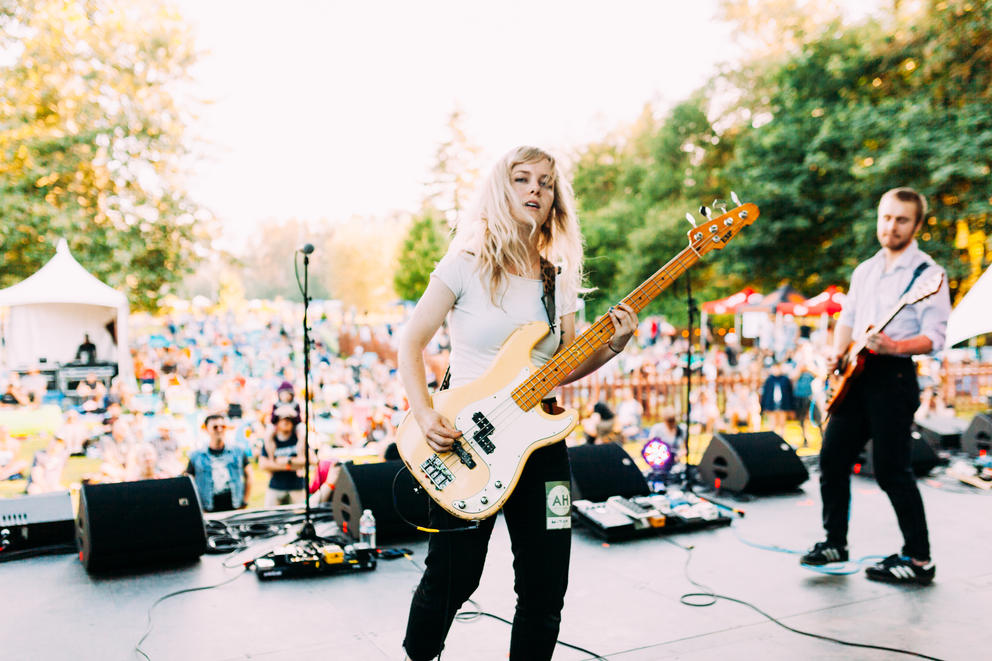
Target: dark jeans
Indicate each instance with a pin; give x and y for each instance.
(880, 406)
(540, 567)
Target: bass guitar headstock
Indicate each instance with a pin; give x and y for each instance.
(715, 233)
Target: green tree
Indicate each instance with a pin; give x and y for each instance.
(93, 117)
(633, 192)
(852, 115)
(424, 245)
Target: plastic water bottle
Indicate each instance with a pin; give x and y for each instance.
(366, 529)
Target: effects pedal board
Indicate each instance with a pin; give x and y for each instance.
(314, 558)
(658, 514)
(602, 517)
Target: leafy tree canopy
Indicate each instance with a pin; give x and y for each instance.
(814, 128)
(93, 124)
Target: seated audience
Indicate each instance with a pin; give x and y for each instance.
(12, 467)
(142, 464)
(74, 432)
(12, 393)
(46, 472)
(35, 386)
(92, 394)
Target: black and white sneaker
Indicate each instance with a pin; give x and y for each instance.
(823, 553)
(900, 569)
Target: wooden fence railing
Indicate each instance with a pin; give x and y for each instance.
(969, 384)
(654, 393)
(966, 385)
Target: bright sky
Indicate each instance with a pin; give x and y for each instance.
(331, 110)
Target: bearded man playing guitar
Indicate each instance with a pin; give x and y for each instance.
(883, 397)
(523, 232)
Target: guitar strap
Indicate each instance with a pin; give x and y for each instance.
(548, 273)
(919, 270)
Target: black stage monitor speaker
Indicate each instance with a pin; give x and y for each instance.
(922, 457)
(139, 524)
(601, 471)
(759, 462)
(370, 487)
(941, 432)
(977, 438)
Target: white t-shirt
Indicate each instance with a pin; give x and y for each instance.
(479, 328)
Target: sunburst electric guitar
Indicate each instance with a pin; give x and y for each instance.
(852, 363)
(499, 414)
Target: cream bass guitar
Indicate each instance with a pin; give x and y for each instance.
(499, 414)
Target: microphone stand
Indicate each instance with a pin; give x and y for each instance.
(307, 532)
(689, 474)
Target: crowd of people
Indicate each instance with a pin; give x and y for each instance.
(218, 396)
(211, 384)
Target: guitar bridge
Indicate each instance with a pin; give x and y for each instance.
(437, 472)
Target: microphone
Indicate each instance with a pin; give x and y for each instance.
(307, 249)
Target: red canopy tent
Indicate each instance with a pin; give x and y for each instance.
(729, 305)
(829, 302)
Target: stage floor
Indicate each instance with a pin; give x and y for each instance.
(622, 603)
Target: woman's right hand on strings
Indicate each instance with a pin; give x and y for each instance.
(438, 432)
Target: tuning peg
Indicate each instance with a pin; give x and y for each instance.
(733, 196)
(688, 216)
(720, 204)
(705, 212)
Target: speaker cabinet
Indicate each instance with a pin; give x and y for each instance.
(601, 471)
(760, 462)
(941, 432)
(977, 438)
(370, 487)
(922, 457)
(139, 524)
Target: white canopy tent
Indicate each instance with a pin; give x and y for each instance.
(971, 316)
(50, 311)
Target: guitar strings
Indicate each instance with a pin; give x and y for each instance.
(497, 416)
(585, 340)
(683, 260)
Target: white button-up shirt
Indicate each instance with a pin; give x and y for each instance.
(875, 291)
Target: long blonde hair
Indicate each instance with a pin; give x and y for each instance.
(499, 230)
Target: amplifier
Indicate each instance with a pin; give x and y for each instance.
(38, 521)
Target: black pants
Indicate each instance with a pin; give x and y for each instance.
(880, 406)
(540, 566)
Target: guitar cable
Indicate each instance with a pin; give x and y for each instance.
(148, 614)
(707, 597)
(472, 525)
